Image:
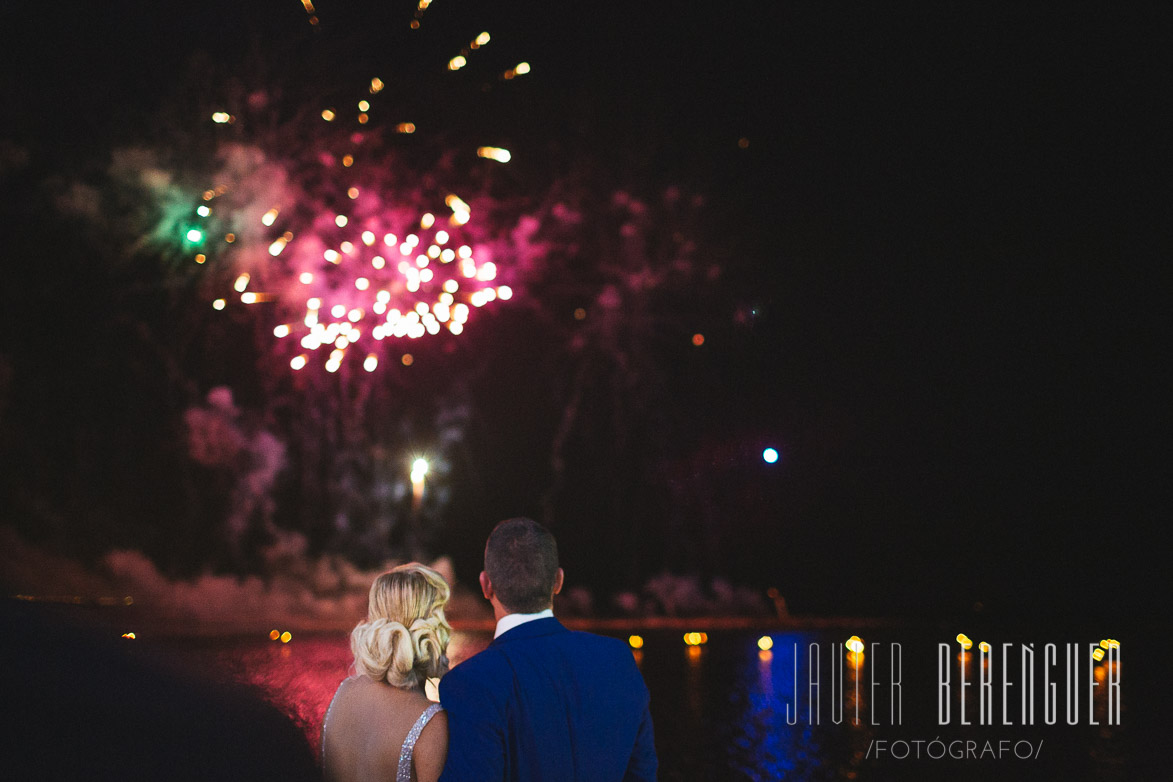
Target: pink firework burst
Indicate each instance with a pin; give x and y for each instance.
(346, 257)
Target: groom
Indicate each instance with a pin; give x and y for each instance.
(542, 702)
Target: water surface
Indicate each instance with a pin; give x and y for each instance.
(729, 710)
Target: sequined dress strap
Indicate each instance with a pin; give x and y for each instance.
(403, 773)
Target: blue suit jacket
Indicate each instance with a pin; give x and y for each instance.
(544, 703)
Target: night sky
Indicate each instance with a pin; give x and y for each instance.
(940, 301)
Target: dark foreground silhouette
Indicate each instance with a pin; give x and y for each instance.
(81, 703)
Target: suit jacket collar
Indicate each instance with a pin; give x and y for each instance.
(534, 629)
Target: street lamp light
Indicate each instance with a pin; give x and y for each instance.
(419, 468)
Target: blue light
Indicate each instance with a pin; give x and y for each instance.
(770, 455)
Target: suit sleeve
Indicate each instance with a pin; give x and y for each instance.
(476, 724)
(643, 762)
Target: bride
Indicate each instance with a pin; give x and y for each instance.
(380, 724)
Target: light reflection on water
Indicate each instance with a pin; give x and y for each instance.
(781, 731)
(300, 677)
(721, 710)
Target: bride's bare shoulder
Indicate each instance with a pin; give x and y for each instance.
(432, 748)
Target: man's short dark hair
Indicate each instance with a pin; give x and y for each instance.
(521, 558)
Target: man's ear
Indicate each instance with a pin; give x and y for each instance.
(558, 581)
(486, 586)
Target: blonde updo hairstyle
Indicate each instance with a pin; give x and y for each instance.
(404, 638)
